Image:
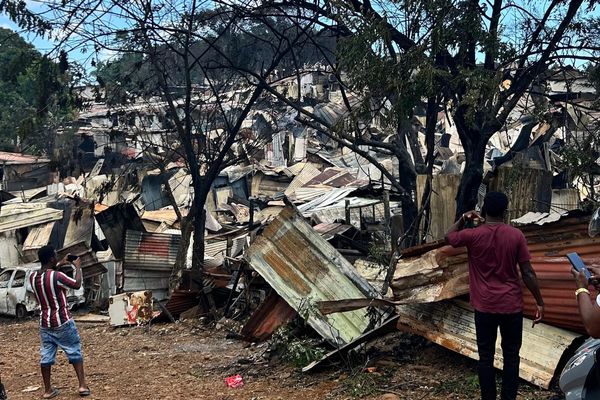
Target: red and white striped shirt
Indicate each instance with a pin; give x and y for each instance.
(50, 288)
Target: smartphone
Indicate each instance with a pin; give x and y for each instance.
(578, 264)
(72, 257)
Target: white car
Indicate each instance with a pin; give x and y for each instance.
(17, 300)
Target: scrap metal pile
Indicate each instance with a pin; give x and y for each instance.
(298, 232)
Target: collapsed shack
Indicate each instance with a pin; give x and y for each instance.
(317, 282)
(303, 268)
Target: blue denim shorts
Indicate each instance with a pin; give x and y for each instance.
(66, 337)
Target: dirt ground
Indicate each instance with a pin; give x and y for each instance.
(188, 361)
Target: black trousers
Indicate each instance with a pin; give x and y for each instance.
(511, 333)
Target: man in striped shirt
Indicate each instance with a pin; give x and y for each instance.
(57, 328)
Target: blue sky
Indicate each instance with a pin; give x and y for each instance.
(45, 45)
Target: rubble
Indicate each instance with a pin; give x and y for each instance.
(292, 232)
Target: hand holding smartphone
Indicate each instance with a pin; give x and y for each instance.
(578, 265)
(72, 257)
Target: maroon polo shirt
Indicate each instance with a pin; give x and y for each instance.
(494, 253)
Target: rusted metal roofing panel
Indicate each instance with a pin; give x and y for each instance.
(181, 301)
(304, 268)
(325, 176)
(308, 172)
(18, 158)
(154, 251)
(328, 231)
(16, 216)
(548, 244)
(451, 324)
(270, 315)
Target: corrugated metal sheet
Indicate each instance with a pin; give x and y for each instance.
(300, 145)
(157, 281)
(565, 199)
(268, 186)
(308, 172)
(270, 315)
(18, 158)
(150, 251)
(451, 324)
(16, 216)
(221, 246)
(304, 268)
(548, 244)
(181, 301)
(180, 185)
(325, 176)
(114, 221)
(328, 231)
(331, 197)
(25, 196)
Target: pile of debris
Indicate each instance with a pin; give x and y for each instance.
(304, 229)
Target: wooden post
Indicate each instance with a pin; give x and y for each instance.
(386, 212)
(251, 219)
(236, 280)
(347, 209)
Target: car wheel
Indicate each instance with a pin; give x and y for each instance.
(21, 311)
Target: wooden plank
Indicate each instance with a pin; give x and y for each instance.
(442, 201)
(437, 275)
(527, 189)
(451, 324)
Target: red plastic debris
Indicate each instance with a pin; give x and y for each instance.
(234, 381)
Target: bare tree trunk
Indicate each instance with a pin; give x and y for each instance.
(186, 224)
(466, 199)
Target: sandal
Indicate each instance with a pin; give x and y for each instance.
(84, 393)
(55, 392)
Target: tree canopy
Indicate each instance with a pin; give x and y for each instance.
(34, 95)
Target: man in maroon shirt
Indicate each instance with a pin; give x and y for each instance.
(495, 249)
(57, 328)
